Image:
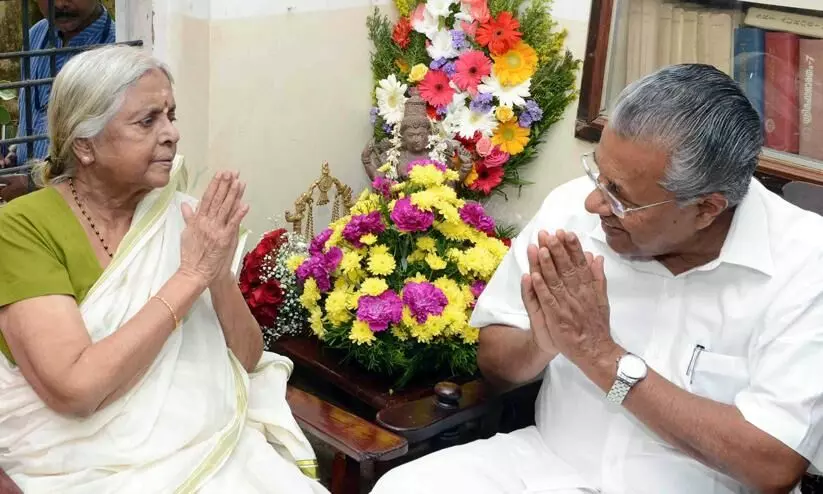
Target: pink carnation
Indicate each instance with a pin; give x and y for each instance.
(484, 146)
(423, 300)
(473, 214)
(380, 311)
(410, 218)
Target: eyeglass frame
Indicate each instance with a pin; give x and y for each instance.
(616, 205)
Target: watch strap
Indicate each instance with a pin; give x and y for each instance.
(618, 392)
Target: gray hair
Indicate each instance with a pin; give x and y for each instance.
(703, 119)
(85, 96)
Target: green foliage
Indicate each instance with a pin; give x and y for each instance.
(497, 6)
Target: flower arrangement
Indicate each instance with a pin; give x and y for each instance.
(269, 285)
(494, 75)
(393, 283)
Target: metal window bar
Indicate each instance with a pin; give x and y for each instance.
(27, 82)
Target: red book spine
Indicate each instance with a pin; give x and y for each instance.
(781, 92)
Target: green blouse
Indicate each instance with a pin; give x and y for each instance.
(43, 251)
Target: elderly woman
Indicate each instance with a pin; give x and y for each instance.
(132, 363)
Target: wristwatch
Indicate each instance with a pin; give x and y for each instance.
(631, 369)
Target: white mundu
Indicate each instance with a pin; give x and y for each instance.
(757, 311)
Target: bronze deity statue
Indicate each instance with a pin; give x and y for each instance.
(415, 129)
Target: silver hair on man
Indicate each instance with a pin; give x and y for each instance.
(703, 119)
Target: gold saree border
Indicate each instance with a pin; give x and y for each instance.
(227, 443)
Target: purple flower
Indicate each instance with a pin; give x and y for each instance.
(482, 103)
(380, 311)
(409, 218)
(333, 258)
(440, 166)
(459, 39)
(477, 288)
(442, 110)
(363, 224)
(316, 267)
(473, 214)
(438, 63)
(423, 300)
(383, 185)
(318, 243)
(373, 115)
(387, 128)
(531, 114)
(450, 68)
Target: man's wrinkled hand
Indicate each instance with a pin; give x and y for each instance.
(570, 286)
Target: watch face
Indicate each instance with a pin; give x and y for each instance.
(632, 366)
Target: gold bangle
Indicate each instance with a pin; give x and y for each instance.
(171, 311)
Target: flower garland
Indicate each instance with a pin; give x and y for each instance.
(393, 284)
(269, 285)
(494, 74)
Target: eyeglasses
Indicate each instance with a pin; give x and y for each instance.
(618, 208)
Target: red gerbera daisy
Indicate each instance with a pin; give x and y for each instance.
(401, 32)
(435, 89)
(470, 69)
(487, 178)
(499, 34)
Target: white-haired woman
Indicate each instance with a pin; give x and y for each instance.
(131, 362)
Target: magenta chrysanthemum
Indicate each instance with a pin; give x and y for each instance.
(380, 311)
(474, 215)
(409, 218)
(423, 300)
(383, 185)
(318, 243)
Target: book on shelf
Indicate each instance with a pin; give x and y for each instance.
(778, 20)
(781, 113)
(749, 54)
(810, 73)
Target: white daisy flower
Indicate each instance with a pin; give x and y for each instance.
(469, 122)
(439, 8)
(441, 46)
(429, 24)
(506, 95)
(391, 99)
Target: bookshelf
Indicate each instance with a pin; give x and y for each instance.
(774, 48)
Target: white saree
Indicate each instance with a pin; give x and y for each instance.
(196, 422)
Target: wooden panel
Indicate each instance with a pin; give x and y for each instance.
(594, 69)
(372, 390)
(342, 431)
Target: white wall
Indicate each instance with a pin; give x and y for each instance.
(275, 87)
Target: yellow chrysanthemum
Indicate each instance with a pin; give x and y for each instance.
(417, 278)
(435, 262)
(454, 230)
(385, 167)
(351, 262)
(451, 175)
(405, 6)
(366, 203)
(417, 255)
(368, 239)
(373, 287)
(418, 72)
(426, 332)
(399, 333)
(294, 262)
(426, 176)
(425, 199)
(452, 291)
(360, 333)
(504, 114)
(511, 137)
(316, 323)
(449, 212)
(516, 65)
(478, 261)
(470, 335)
(426, 244)
(310, 294)
(337, 307)
(381, 263)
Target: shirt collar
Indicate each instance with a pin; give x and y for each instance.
(91, 32)
(747, 243)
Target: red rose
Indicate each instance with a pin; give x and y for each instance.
(401, 32)
(270, 242)
(469, 143)
(250, 273)
(264, 302)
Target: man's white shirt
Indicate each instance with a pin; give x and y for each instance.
(757, 310)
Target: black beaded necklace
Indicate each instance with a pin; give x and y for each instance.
(88, 218)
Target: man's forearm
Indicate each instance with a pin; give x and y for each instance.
(240, 329)
(713, 433)
(509, 355)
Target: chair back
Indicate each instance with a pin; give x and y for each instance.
(302, 219)
(13, 186)
(804, 195)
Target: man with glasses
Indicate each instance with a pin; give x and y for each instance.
(76, 23)
(673, 307)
